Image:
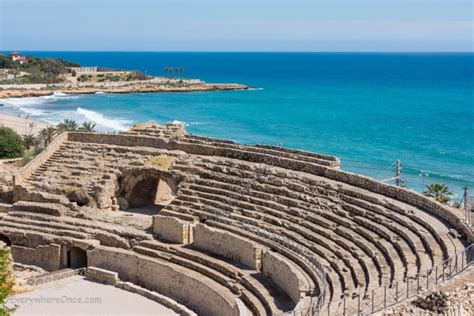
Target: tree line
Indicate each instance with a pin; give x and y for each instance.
(13, 145)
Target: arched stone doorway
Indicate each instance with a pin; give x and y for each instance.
(5, 239)
(76, 258)
(147, 190)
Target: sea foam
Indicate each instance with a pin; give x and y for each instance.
(100, 119)
(31, 105)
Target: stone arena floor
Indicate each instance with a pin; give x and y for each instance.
(81, 297)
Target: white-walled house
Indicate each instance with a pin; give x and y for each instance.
(16, 56)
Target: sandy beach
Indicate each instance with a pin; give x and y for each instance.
(22, 125)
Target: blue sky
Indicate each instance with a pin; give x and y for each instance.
(237, 25)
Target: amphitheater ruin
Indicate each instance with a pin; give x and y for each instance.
(214, 227)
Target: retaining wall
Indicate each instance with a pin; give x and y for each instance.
(118, 139)
(227, 245)
(285, 274)
(186, 286)
(47, 257)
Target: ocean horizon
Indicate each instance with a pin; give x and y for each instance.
(368, 109)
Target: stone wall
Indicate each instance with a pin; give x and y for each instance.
(118, 139)
(301, 152)
(227, 245)
(47, 257)
(185, 286)
(30, 167)
(102, 276)
(172, 229)
(402, 194)
(286, 275)
(405, 195)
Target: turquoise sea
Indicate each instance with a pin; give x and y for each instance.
(368, 109)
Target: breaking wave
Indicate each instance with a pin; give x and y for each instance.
(102, 120)
(32, 105)
(179, 122)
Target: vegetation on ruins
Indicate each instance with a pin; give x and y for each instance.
(6, 283)
(11, 144)
(30, 154)
(440, 192)
(162, 162)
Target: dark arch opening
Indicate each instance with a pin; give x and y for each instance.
(76, 258)
(6, 240)
(79, 197)
(144, 192)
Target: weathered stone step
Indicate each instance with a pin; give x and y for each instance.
(40, 207)
(255, 288)
(59, 232)
(125, 232)
(325, 248)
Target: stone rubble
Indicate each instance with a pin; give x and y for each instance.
(458, 302)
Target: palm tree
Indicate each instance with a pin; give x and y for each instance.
(87, 127)
(29, 140)
(47, 134)
(67, 126)
(169, 71)
(439, 192)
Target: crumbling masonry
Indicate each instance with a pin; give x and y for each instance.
(219, 227)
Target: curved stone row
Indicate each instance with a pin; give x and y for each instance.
(259, 294)
(359, 222)
(265, 229)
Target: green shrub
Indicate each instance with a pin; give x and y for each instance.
(6, 284)
(11, 144)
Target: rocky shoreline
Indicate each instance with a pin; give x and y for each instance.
(136, 87)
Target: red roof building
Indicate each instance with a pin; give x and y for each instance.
(16, 56)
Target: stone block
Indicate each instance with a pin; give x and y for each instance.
(228, 245)
(102, 276)
(172, 229)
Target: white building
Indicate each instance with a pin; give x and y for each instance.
(16, 56)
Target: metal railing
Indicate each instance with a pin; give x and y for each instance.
(380, 298)
(55, 276)
(299, 250)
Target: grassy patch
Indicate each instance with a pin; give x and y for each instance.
(162, 162)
